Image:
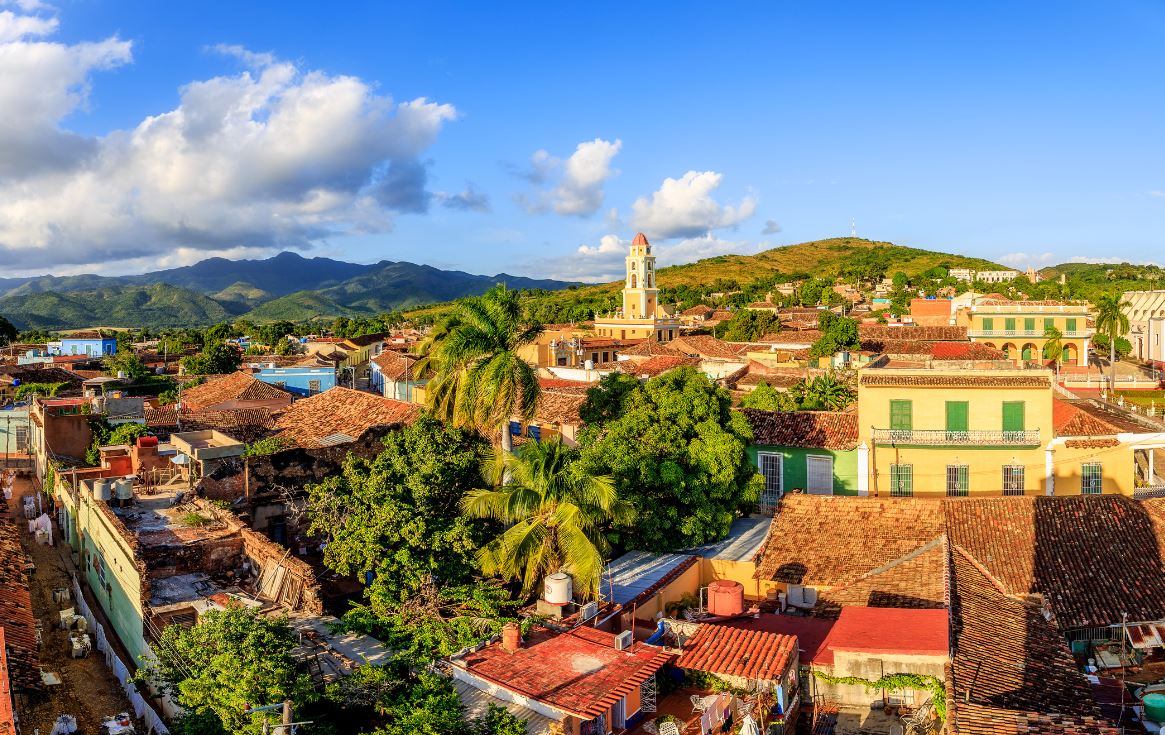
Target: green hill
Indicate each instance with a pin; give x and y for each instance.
(159, 305)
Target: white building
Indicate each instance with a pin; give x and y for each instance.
(1146, 333)
(969, 275)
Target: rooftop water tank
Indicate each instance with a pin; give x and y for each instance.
(557, 589)
(102, 489)
(123, 488)
(1155, 707)
(725, 597)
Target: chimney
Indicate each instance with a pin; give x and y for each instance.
(511, 637)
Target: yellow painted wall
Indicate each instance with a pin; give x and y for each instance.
(1118, 471)
(999, 338)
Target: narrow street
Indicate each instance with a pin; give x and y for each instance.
(88, 690)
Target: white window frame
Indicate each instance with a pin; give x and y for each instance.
(810, 460)
(767, 492)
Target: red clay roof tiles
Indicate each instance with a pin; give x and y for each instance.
(341, 411)
(237, 386)
(737, 648)
(16, 617)
(812, 429)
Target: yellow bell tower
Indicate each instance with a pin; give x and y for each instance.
(640, 294)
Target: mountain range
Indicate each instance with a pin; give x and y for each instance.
(285, 286)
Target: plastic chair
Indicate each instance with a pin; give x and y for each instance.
(669, 728)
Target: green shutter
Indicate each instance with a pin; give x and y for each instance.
(901, 416)
(1013, 416)
(1029, 325)
(1027, 352)
(1070, 326)
(1009, 324)
(988, 324)
(956, 416)
(1049, 324)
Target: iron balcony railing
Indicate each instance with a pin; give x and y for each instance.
(1144, 493)
(944, 438)
(1037, 333)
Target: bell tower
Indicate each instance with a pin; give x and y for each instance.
(640, 294)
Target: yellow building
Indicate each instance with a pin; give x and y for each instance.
(1018, 327)
(982, 428)
(642, 316)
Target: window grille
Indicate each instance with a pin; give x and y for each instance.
(1012, 479)
(772, 469)
(1091, 479)
(901, 480)
(957, 484)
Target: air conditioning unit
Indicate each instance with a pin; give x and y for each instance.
(588, 611)
(624, 640)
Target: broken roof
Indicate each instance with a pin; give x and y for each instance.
(579, 672)
(237, 386)
(811, 429)
(340, 415)
(917, 579)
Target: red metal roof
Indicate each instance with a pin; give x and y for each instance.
(889, 630)
(578, 672)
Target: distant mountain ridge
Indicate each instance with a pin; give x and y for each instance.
(284, 286)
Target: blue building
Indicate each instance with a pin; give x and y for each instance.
(300, 381)
(88, 343)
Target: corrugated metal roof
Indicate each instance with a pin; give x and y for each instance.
(742, 543)
(477, 702)
(635, 572)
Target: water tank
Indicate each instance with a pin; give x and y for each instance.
(557, 589)
(102, 489)
(123, 488)
(1155, 707)
(725, 597)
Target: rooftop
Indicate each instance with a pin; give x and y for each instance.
(579, 672)
(637, 575)
(889, 630)
(237, 386)
(396, 366)
(736, 648)
(16, 619)
(1092, 418)
(340, 415)
(745, 538)
(916, 580)
(811, 429)
(657, 365)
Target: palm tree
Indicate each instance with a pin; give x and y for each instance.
(823, 393)
(553, 512)
(1112, 322)
(481, 379)
(1053, 347)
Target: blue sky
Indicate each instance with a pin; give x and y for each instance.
(161, 133)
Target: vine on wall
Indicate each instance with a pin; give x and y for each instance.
(895, 682)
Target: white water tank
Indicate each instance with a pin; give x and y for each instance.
(102, 489)
(589, 364)
(123, 488)
(557, 589)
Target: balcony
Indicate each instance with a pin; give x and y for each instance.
(1033, 333)
(944, 438)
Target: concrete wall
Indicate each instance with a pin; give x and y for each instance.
(298, 380)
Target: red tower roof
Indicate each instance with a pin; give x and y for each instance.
(640, 239)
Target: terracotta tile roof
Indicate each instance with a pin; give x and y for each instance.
(1011, 671)
(396, 365)
(651, 348)
(7, 716)
(888, 630)
(812, 429)
(560, 406)
(964, 351)
(237, 386)
(656, 365)
(338, 412)
(763, 305)
(87, 334)
(698, 310)
(366, 339)
(804, 337)
(578, 672)
(882, 332)
(16, 618)
(899, 346)
(1091, 418)
(812, 539)
(704, 345)
(738, 648)
(1092, 557)
(879, 377)
(916, 580)
(1008, 302)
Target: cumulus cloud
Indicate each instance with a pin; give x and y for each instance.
(605, 261)
(1020, 259)
(771, 227)
(576, 184)
(273, 157)
(684, 207)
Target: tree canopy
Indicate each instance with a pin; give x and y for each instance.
(837, 333)
(8, 332)
(215, 359)
(676, 451)
(747, 325)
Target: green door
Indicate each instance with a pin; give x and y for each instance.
(1070, 327)
(956, 420)
(1013, 416)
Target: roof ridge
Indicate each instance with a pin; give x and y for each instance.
(982, 570)
(893, 563)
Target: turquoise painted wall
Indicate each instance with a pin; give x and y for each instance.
(845, 466)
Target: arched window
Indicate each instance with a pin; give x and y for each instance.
(648, 280)
(633, 265)
(633, 281)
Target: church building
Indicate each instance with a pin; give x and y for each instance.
(642, 316)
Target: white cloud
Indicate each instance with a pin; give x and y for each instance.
(1157, 193)
(1019, 259)
(576, 183)
(14, 27)
(470, 200)
(605, 261)
(253, 59)
(684, 207)
(771, 227)
(273, 157)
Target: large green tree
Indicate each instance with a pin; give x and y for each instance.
(481, 378)
(837, 333)
(397, 516)
(8, 332)
(767, 398)
(554, 514)
(215, 359)
(231, 659)
(676, 451)
(1112, 322)
(747, 325)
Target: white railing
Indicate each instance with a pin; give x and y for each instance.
(1028, 308)
(1035, 333)
(944, 438)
